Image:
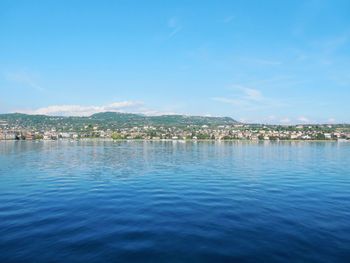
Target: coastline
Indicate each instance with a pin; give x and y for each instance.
(172, 140)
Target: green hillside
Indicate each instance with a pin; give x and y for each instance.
(109, 120)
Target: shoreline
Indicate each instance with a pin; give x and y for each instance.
(171, 140)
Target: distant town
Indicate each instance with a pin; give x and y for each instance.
(121, 126)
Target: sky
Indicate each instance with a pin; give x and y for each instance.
(255, 61)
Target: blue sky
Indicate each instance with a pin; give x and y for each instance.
(255, 61)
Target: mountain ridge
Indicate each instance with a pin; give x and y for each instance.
(113, 119)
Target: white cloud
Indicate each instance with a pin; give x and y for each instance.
(331, 120)
(121, 104)
(285, 121)
(82, 110)
(303, 119)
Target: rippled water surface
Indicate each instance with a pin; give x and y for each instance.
(95, 201)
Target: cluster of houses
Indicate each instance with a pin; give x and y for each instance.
(190, 132)
(241, 132)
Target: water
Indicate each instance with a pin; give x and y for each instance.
(95, 201)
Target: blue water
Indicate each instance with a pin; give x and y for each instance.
(95, 201)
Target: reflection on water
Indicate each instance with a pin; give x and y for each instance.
(102, 201)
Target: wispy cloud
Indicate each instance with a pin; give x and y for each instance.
(24, 78)
(248, 99)
(251, 94)
(81, 110)
(285, 121)
(243, 96)
(322, 51)
(277, 81)
(235, 102)
(228, 19)
(303, 119)
(174, 26)
(264, 62)
(331, 120)
(332, 44)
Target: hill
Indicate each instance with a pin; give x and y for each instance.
(109, 120)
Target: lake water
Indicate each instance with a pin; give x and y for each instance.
(99, 201)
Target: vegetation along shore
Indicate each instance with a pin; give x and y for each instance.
(126, 126)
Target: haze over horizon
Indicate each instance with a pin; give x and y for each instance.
(264, 62)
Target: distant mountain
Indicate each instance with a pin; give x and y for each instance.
(110, 120)
(164, 120)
